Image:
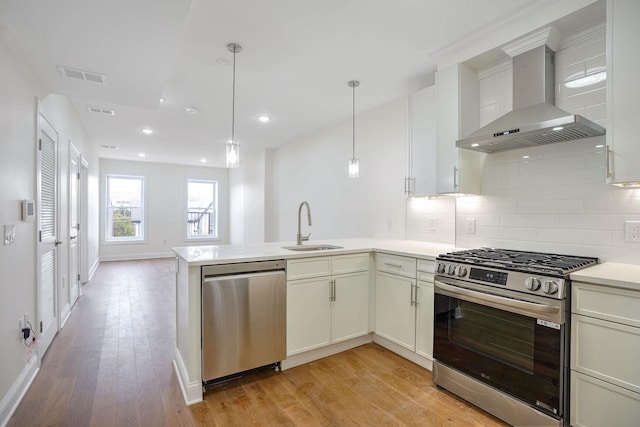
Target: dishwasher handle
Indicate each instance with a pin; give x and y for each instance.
(242, 267)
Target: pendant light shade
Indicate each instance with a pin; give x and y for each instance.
(354, 165)
(233, 148)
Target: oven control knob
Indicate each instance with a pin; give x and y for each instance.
(462, 271)
(532, 283)
(451, 269)
(441, 268)
(549, 287)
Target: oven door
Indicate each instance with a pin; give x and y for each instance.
(513, 345)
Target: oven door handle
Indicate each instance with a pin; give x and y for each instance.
(530, 309)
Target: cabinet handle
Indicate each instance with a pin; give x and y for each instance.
(389, 264)
(609, 168)
(332, 290)
(412, 300)
(415, 300)
(455, 173)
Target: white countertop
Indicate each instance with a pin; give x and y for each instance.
(223, 254)
(614, 274)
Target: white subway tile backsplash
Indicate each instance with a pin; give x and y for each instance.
(581, 237)
(550, 207)
(510, 233)
(539, 221)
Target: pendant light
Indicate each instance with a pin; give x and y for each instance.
(354, 166)
(233, 148)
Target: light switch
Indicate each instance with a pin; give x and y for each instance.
(9, 234)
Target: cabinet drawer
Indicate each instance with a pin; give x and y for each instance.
(396, 264)
(617, 305)
(308, 268)
(426, 266)
(606, 350)
(350, 263)
(596, 403)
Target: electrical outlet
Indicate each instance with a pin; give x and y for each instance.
(432, 224)
(632, 231)
(471, 226)
(9, 234)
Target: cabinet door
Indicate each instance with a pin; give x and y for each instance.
(424, 320)
(458, 115)
(308, 314)
(423, 140)
(606, 350)
(596, 403)
(395, 314)
(350, 310)
(623, 91)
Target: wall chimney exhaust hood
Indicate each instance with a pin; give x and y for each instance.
(534, 120)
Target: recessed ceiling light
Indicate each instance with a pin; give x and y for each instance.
(147, 131)
(264, 118)
(203, 160)
(191, 110)
(475, 145)
(600, 146)
(142, 155)
(162, 100)
(525, 157)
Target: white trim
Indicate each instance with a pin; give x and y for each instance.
(403, 352)
(546, 36)
(17, 391)
(191, 391)
(93, 269)
(330, 350)
(127, 257)
(593, 33)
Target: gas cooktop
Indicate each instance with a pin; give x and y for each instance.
(509, 259)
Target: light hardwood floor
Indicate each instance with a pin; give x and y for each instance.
(111, 365)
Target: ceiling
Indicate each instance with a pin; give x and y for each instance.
(297, 58)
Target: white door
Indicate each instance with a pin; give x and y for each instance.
(47, 208)
(74, 224)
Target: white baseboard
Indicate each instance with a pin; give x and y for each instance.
(93, 269)
(18, 389)
(330, 350)
(425, 362)
(130, 257)
(191, 391)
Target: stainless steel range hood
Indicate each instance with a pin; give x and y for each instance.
(534, 120)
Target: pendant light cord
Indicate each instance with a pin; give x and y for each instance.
(233, 99)
(353, 124)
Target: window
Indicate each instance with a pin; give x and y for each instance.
(202, 209)
(125, 208)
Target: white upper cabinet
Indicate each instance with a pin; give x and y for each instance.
(458, 115)
(423, 139)
(623, 92)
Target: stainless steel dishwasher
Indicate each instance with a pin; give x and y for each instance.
(243, 318)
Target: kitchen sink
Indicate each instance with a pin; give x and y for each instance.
(304, 248)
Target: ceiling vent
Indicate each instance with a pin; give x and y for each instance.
(83, 75)
(104, 111)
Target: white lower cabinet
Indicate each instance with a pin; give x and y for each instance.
(327, 301)
(404, 302)
(605, 344)
(395, 310)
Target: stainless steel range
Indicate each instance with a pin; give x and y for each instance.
(501, 332)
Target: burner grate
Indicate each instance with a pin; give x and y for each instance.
(522, 260)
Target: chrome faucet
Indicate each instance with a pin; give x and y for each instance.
(302, 238)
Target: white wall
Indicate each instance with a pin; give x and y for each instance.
(557, 200)
(18, 112)
(247, 198)
(315, 169)
(165, 187)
